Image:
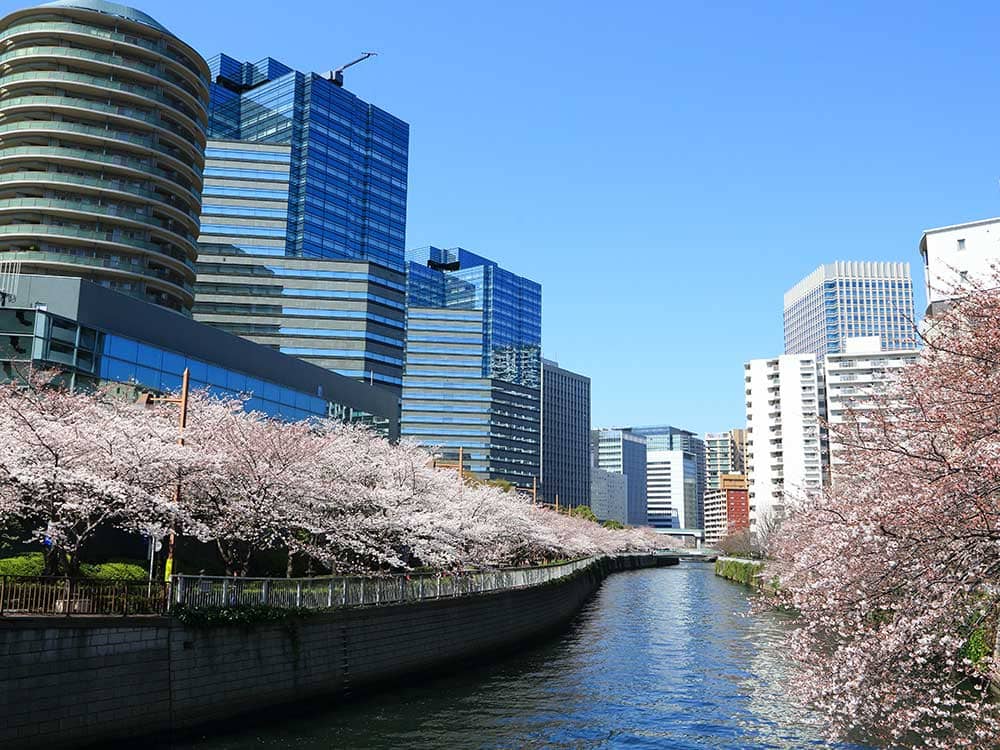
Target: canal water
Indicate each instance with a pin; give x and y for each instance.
(660, 658)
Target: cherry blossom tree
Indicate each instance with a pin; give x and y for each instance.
(72, 462)
(895, 572)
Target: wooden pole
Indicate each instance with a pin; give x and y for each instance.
(534, 490)
(461, 461)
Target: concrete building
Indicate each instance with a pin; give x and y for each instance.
(843, 299)
(565, 470)
(688, 507)
(727, 508)
(621, 452)
(725, 453)
(853, 379)
(959, 256)
(609, 495)
(102, 142)
(785, 460)
(473, 364)
(304, 219)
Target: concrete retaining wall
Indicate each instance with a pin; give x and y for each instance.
(73, 682)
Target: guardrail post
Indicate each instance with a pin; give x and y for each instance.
(225, 592)
(124, 599)
(298, 593)
(265, 591)
(421, 594)
(361, 591)
(3, 592)
(69, 595)
(329, 594)
(343, 591)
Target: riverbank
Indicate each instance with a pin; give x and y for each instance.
(741, 570)
(84, 681)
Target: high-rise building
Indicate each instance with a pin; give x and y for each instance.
(785, 461)
(609, 495)
(621, 452)
(668, 438)
(962, 256)
(725, 453)
(473, 364)
(853, 380)
(565, 470)
(303, 224)
(671, 489)
(727, 508)
(848, 298)
(102, 140)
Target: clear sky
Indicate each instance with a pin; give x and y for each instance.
(664, 170)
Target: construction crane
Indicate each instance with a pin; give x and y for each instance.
(337, 76)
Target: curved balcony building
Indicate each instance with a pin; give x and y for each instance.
(102, 139)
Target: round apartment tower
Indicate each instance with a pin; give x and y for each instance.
(102, 143)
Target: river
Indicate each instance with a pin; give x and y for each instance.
(660, 658)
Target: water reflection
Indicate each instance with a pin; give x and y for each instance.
(659, 658)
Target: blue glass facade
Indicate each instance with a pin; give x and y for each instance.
(473, 364)
(303, 224)
(512, 307)
(349, 159)
(621, 452)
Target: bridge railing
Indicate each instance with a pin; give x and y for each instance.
(355, 591)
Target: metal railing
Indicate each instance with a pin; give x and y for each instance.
(336, 591)
(39, 595)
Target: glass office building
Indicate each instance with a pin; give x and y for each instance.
(303, 222)
(473, 364)
(96, 335)
(621, 452)
(692, 464)
(565, 436)
(847, 299)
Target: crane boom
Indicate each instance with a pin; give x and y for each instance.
(337, 76)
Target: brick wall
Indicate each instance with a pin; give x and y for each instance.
(66, 683)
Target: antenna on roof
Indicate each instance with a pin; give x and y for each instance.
(337, 76)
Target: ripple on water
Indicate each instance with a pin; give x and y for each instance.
(662, 658)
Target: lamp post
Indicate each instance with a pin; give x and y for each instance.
(182, 401)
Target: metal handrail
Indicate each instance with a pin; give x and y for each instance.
(47, 595)
(356, 591)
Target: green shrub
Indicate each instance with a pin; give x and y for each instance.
(32, 564)
(117, 571)
(979, 646)
(245, 615)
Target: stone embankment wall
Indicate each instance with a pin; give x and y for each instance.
(79, 681)
(747, 572)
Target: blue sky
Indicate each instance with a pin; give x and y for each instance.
(664, 170)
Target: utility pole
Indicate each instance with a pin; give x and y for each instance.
(182, 401)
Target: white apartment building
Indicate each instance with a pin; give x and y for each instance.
(609, 495)
(853, 379)
(961, 255)
(784, 401)
(716, 516)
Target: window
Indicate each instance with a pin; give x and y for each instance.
(961, 244)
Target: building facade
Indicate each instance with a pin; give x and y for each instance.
(727, 508)
(565, 469)
(853, 380)
(98, 335)
(102, 137)
(671, 489)
(690, 514)
(785, 459)
(958, 258)
(303, 224)
(621, 452)
(473, 364)
(609, 495)
(725, 453)
(844, 299)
